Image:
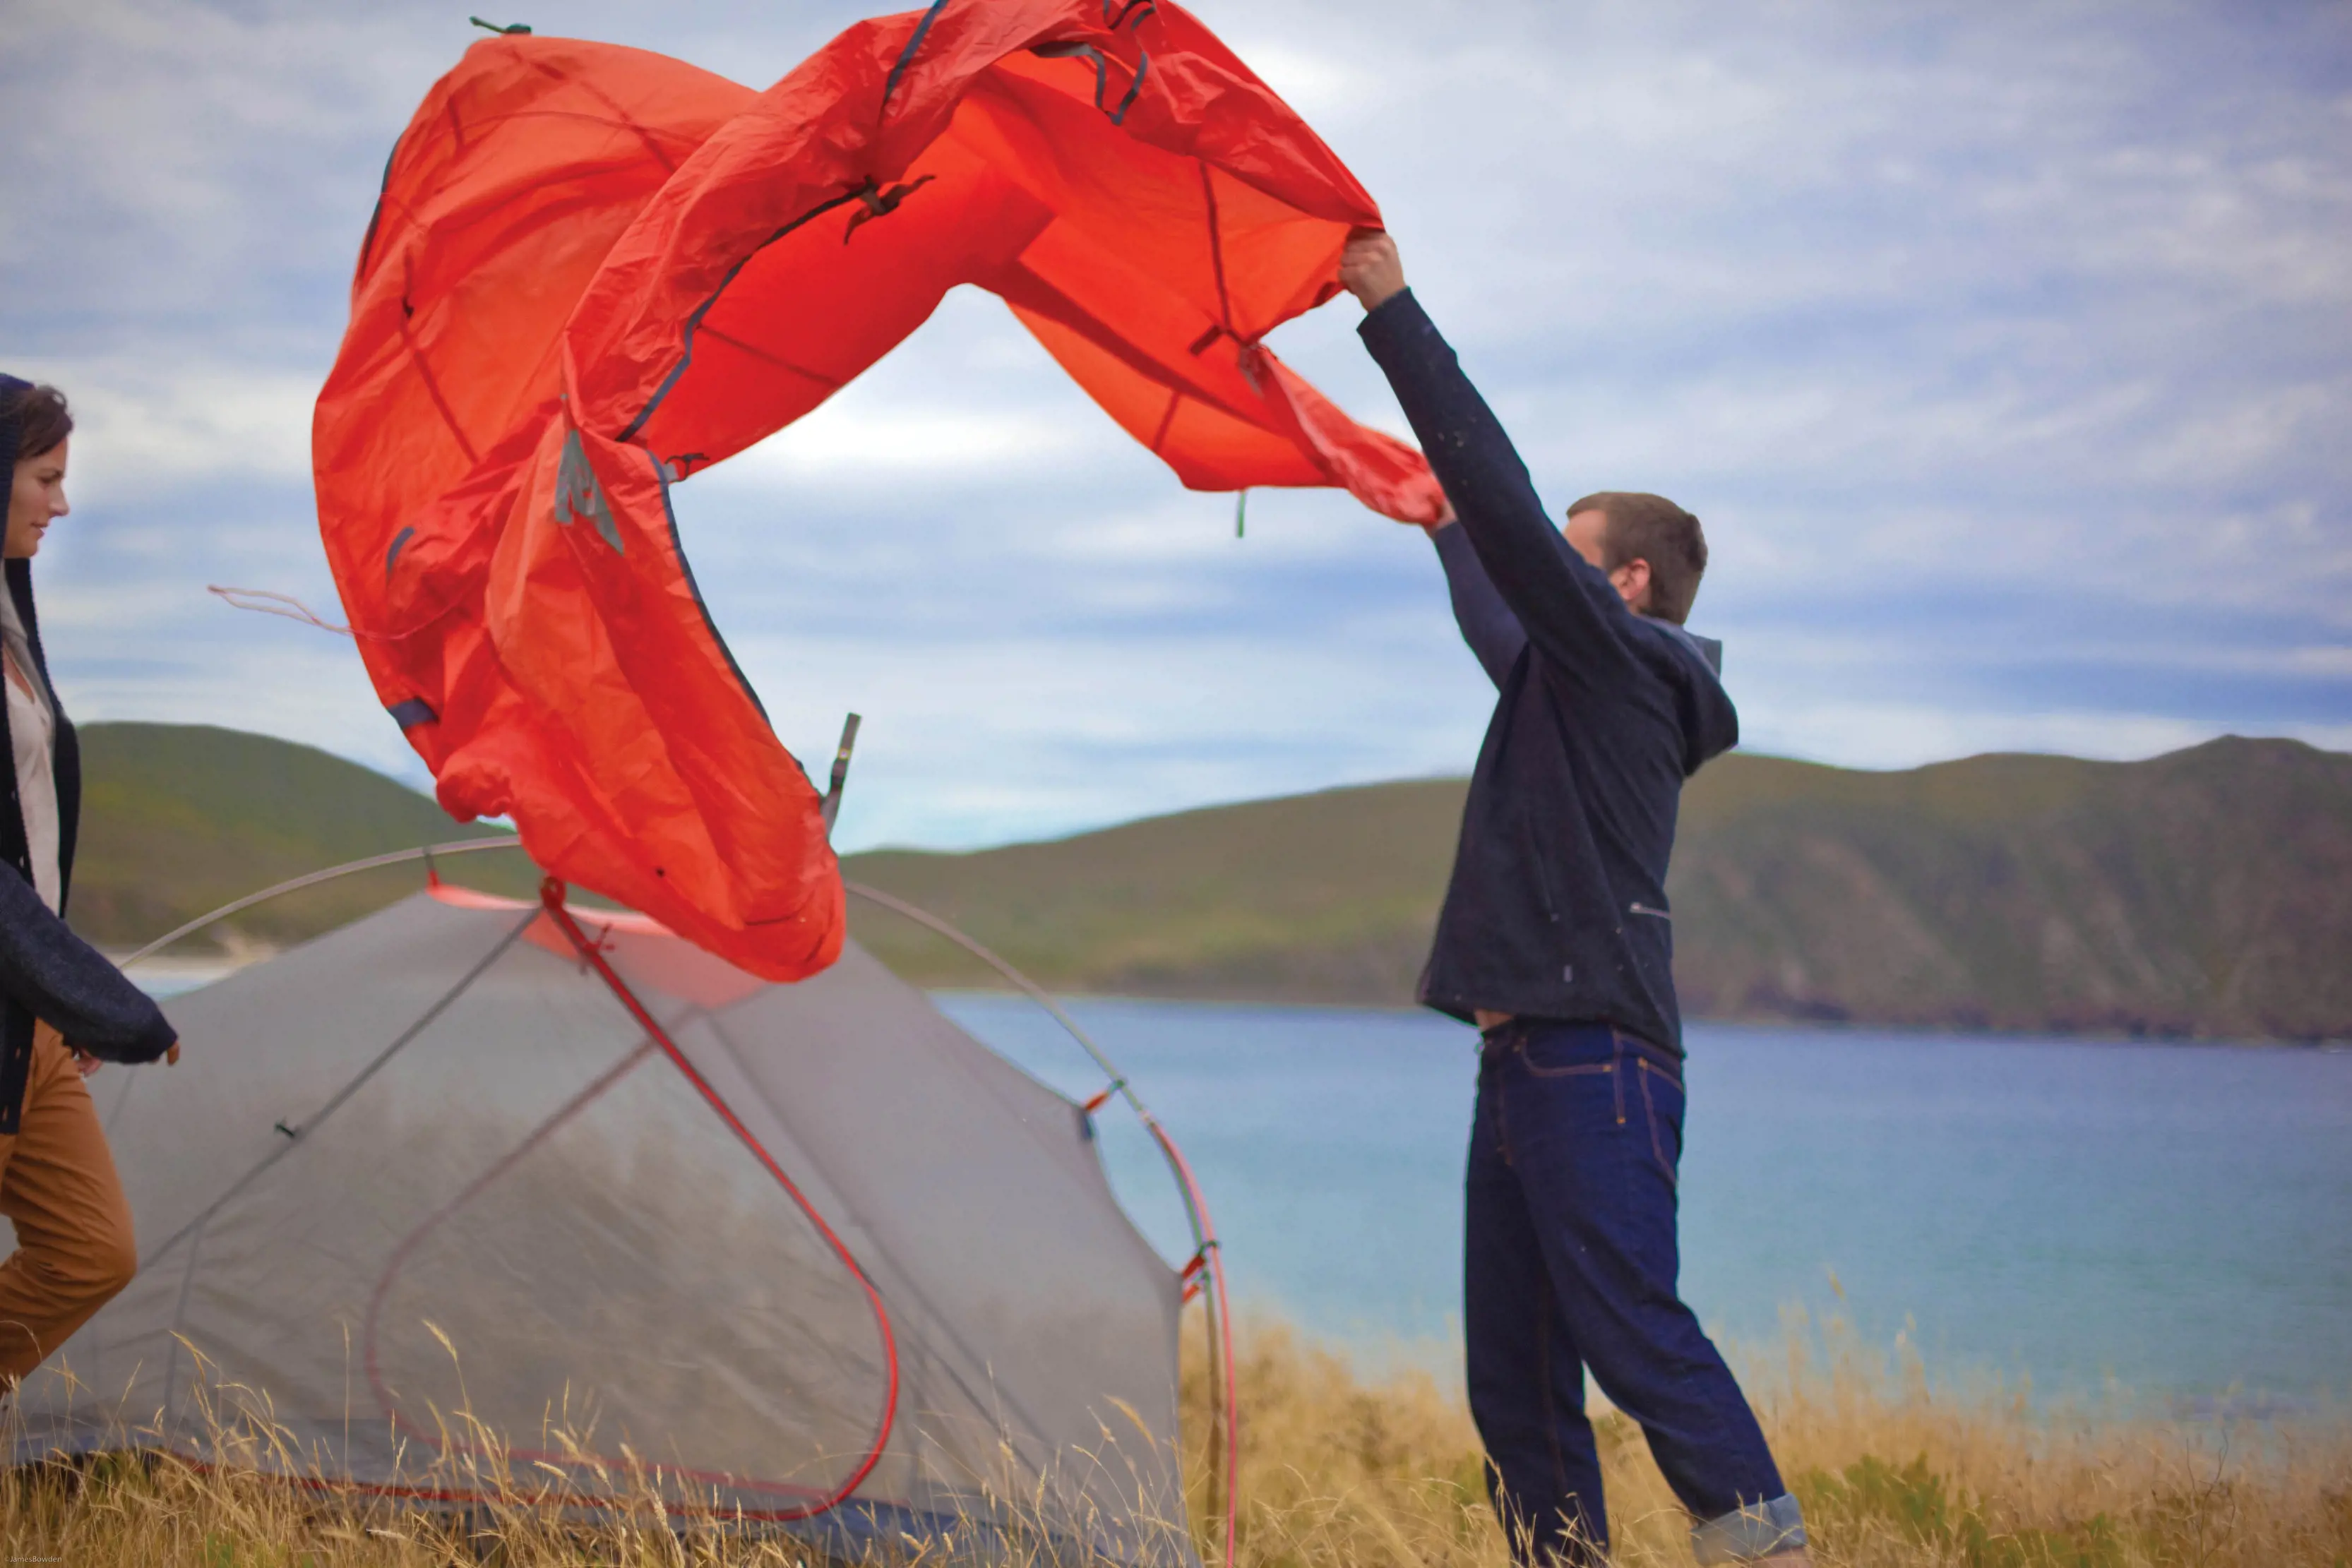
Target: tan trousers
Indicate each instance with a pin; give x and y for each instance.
(58, 1186)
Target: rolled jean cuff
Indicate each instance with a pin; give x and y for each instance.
(1757, 1530)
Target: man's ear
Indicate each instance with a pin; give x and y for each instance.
(1632, 580)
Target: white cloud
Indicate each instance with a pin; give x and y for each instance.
(145, 426)
(843, 443)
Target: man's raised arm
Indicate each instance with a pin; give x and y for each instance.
(1565, 606)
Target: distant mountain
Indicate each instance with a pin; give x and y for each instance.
(2204, 893)
(180, 818)
(2207, 893)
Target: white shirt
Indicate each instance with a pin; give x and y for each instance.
(33, 732)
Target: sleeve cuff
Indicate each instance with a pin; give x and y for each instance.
(148, 1045)
(1453, 545)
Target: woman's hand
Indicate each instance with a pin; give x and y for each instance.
(86, 1064)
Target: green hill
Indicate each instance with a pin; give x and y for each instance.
(2206, 893)
(180, 818)
(1322, 897)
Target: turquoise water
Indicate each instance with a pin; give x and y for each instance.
(2173, 1218)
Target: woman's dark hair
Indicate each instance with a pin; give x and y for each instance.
(41, 419)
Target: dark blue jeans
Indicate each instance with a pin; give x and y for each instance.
(1570, 1263)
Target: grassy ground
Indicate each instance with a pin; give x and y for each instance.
(1336, 1470)
(1354, 1472)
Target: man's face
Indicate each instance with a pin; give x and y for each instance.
(1588, 532)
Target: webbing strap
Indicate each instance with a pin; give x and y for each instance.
(907, 55)
(1074, 48)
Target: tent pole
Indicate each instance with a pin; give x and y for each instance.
(1225, 1453)
(294, 885)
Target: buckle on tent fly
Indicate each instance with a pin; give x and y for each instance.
(1103, 1098)
(879, 202)
(1190, 1276)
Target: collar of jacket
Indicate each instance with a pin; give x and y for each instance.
(1708, 649)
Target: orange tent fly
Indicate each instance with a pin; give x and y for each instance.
(594, 271)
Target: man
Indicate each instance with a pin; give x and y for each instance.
(1556, 940)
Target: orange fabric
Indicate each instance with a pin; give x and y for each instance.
(58, 1188)
(596, 271)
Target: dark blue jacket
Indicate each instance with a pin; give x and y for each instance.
(47, 973)
(1558, 904)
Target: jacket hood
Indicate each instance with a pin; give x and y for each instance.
(1693, 665)
(11, 424)
(19, 573)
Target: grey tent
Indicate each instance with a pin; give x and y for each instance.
(427, 1196)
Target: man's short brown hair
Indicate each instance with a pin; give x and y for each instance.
(1642, 526)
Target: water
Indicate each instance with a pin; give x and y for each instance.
(2176, 1219)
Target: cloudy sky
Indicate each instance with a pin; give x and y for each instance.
(1998, 345)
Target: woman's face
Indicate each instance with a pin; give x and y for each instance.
(36, 500)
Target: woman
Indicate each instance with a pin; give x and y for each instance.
(65, 1008)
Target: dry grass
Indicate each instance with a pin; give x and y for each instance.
(1341, 1469)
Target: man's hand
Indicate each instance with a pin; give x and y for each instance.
(1370, 269)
